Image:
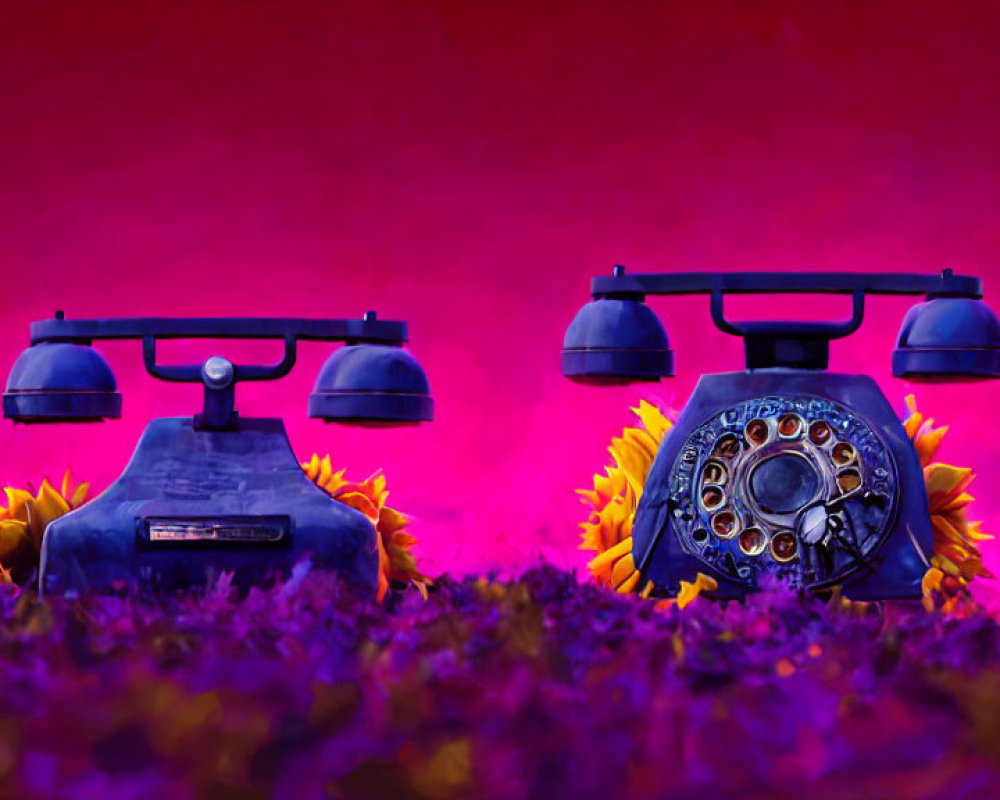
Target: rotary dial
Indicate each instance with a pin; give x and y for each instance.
(801, 486)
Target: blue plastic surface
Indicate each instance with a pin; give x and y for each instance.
(374, 383)
(733, 495)
(179, 473)
(61, 382)
(895, 566)
(948, 339)
(213, 492)
(616, 340)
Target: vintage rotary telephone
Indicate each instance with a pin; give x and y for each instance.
(785, 468)
(217, 491)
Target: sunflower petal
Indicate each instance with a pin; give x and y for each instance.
(390, 520)
(17, 503)
(914, 419)
(615, 496)
(690, 591)
(653, 420)
(80, 495)
(311, 467)
(633, 461)
(325, 471)
(13, 537)
(927, 443)
(630, 584)
(623, 570)
(945, 482)
(608, 557)
(959, 501)
(49, 503)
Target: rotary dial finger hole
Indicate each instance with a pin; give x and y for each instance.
(790, 426)
(725, 524)
(752, 542)
(844, 454)
(712, 497)
(820, 433)
(848, 480)
(757, 431)
(714, 472)
(728, 446)
(784, 547)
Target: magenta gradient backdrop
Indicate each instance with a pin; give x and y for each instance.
(467, 167)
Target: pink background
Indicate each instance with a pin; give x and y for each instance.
(467, 167)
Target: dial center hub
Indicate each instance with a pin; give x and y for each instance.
(783, 483)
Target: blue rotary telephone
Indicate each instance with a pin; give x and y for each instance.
(215, 491)
(785, 469)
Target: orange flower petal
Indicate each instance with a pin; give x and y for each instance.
(623, 570)
(395, 558)
(80, 495)
(13, 537)
(629, 585)
(945, 484)
(690, 591)
(390, 520)
(653, 420)
(17, 503)
(615, 496)
(311, 467)
(608, 557)
(927, 443)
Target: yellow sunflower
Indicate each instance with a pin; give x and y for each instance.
(395, 545)
(615, 496)
(957, 560)
(613, 501)
(23, 522)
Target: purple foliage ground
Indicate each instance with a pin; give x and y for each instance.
(534, 688)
